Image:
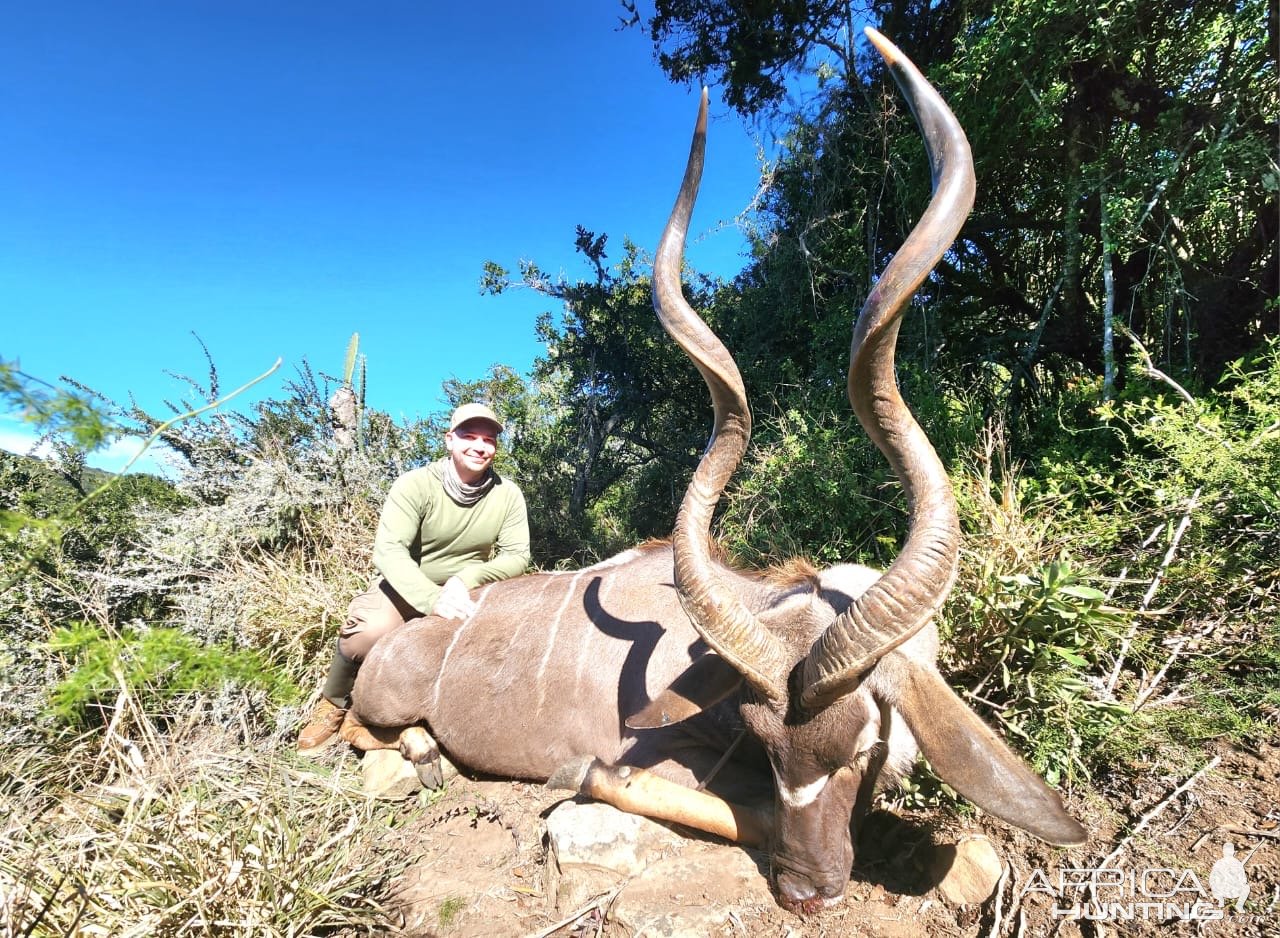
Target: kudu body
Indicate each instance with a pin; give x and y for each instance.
(632, 679)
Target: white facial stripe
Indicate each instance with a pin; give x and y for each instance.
(869, 735)
(803, 796)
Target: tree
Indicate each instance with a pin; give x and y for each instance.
(750, 47)
(622, 414)
(1167, 109)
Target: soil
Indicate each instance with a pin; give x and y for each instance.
(480, 868)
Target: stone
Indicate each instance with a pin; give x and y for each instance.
(391, 777)
(594, 847)
(967, 872)
(387, 775)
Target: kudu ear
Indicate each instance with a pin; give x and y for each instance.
(970, 758)
(706, 682)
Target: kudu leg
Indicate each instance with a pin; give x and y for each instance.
(414, 743)
(638, 791)
(367, 738)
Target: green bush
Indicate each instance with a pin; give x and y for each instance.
(154, 665)
(1041, 640)
(813, 485)
(1170, 503)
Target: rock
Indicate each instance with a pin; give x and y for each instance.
(967, 872)
(593, 847)
(692, 894)
(387, 775)
(390, 776)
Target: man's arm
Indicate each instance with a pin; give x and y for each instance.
(398, 527)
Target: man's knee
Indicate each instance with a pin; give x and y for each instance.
(370, 616)
(356, 646)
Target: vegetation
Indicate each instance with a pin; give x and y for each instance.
(1096, 360)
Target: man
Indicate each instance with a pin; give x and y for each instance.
(445, 529)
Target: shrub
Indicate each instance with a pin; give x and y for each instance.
(154, 665)
(1041, 640)
(814, 486)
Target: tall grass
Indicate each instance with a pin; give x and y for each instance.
(186, 829)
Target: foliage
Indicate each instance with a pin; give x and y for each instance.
(37, 495)
(1219, 465)
(817, 488)
(196, 606)
(1173, 506)
(749, 47)
(1158, 119)
(54, 410)
(449, 909)
(619, 410)
(155, 666)
(1042, 639)
(1165, 111)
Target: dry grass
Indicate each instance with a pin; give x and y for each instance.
(193, 815)
(280, 588)
(1001, 538)
(134, 830)
(289, 603)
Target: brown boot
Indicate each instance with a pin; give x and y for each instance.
(325, 721)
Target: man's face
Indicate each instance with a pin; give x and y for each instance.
(471, 447)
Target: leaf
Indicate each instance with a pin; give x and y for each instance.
(1069, 656)
(12, 522)
(1084, 592)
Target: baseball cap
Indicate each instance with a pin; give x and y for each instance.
(473, 412)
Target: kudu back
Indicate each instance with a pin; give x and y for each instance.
(629, 681)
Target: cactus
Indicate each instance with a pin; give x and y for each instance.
(346, 407)
(360, 390)
(348, 367)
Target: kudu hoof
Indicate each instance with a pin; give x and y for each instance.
(430, 772)
(417, 746)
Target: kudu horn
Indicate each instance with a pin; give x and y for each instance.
(914, 587)
(716, 612)
(902, 601)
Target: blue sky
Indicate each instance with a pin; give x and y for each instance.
(276, 176)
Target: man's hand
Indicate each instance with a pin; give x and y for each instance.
(454, 601)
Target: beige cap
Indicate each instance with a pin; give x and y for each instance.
(473, 412)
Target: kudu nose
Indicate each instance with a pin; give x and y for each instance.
(798, 893)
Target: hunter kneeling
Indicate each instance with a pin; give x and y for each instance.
(445, 529)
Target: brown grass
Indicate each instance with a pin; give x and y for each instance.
(134, 831)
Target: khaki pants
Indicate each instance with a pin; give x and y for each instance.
(371, 615)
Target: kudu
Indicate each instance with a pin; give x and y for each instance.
(632, 679)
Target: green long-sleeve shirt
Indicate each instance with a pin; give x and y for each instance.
(424, 537)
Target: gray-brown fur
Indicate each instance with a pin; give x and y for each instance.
(547, 669)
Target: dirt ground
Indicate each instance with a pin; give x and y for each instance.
(481, 868)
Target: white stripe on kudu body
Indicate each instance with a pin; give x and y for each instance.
(480, 598)
(551, 640)
(444, 662)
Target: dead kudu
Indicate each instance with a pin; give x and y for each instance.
(630, 680)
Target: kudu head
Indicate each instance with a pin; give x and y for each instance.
(823, 674)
